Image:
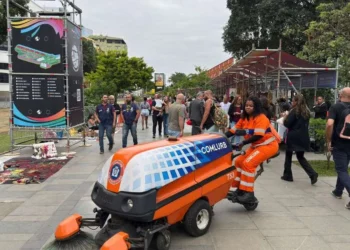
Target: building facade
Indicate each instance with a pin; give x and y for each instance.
(107, 43)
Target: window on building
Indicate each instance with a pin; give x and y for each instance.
(4, 66)
(4, 78)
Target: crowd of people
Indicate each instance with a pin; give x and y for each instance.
(249, 123)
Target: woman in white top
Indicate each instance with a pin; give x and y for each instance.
(144, 112)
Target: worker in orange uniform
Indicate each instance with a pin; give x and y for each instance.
(255, 127)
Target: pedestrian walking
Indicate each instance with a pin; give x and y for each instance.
(298, 139)
(166, 115)
(106, 117)
(116, 106)
(338, 141)
(177, 117)
(130, 113)
(157, 117)
(196, 111)
(145, 107)
(207, 122)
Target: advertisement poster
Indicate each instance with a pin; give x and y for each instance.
(159, 81)
(75, 79)
(38, 101)
(38, 46)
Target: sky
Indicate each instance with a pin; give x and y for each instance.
(171, 35)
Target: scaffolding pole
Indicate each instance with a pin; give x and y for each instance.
(279, 69)
(9, 35)
(290, 82)
(336, 83)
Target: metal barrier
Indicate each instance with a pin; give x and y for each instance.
(26, 137)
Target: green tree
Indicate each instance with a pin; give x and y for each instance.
(265, 22)
(115, 73)
(89, 56)
(177, 77)
(189, 84)
(14, 11)
(329, 39)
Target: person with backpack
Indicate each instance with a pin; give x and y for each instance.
(208, 122)
(338, 141)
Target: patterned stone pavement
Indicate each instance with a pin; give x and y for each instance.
(289, 216)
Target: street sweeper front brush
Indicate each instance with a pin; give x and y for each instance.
(79, 241)
(68, 235)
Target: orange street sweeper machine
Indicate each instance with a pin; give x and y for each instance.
(144, 189)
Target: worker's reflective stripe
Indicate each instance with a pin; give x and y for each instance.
(252, 131)
(247, 184)
(237, 179)
(239, 169)
(248, 174)
(268, 141)
(259, 130)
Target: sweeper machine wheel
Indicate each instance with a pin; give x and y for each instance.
(198, 218)
(161, 241)
(251, 206)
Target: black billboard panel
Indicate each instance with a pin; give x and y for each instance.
(76, 92)
(76, 117)
(38, 101)
(38, 46)
(75, 58)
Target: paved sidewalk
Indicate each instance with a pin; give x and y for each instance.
(290, 215)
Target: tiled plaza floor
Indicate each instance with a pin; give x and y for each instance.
(290, 215)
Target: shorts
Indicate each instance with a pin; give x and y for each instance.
(145, 112)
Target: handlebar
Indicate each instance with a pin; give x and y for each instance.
(239, 154)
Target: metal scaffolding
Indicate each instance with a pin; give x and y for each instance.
(29, 135)
(276, 72)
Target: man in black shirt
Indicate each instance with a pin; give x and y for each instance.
(339, 146)
(320, 108)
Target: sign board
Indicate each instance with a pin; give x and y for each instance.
(38, 101)
(159, 80)
(219, 69)
(45, 150)
(38, 53)
(38, 46)
(75, 79)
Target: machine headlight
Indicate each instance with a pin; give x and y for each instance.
(130, 203)
(127, 205)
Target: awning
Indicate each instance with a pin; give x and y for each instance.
(264, 67)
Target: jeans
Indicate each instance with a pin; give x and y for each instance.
(166, 123)
(101, 132)
(174, 133)
(341, 159)
(133, 130)
(157, 119)
(303, 162)
(235, 139)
